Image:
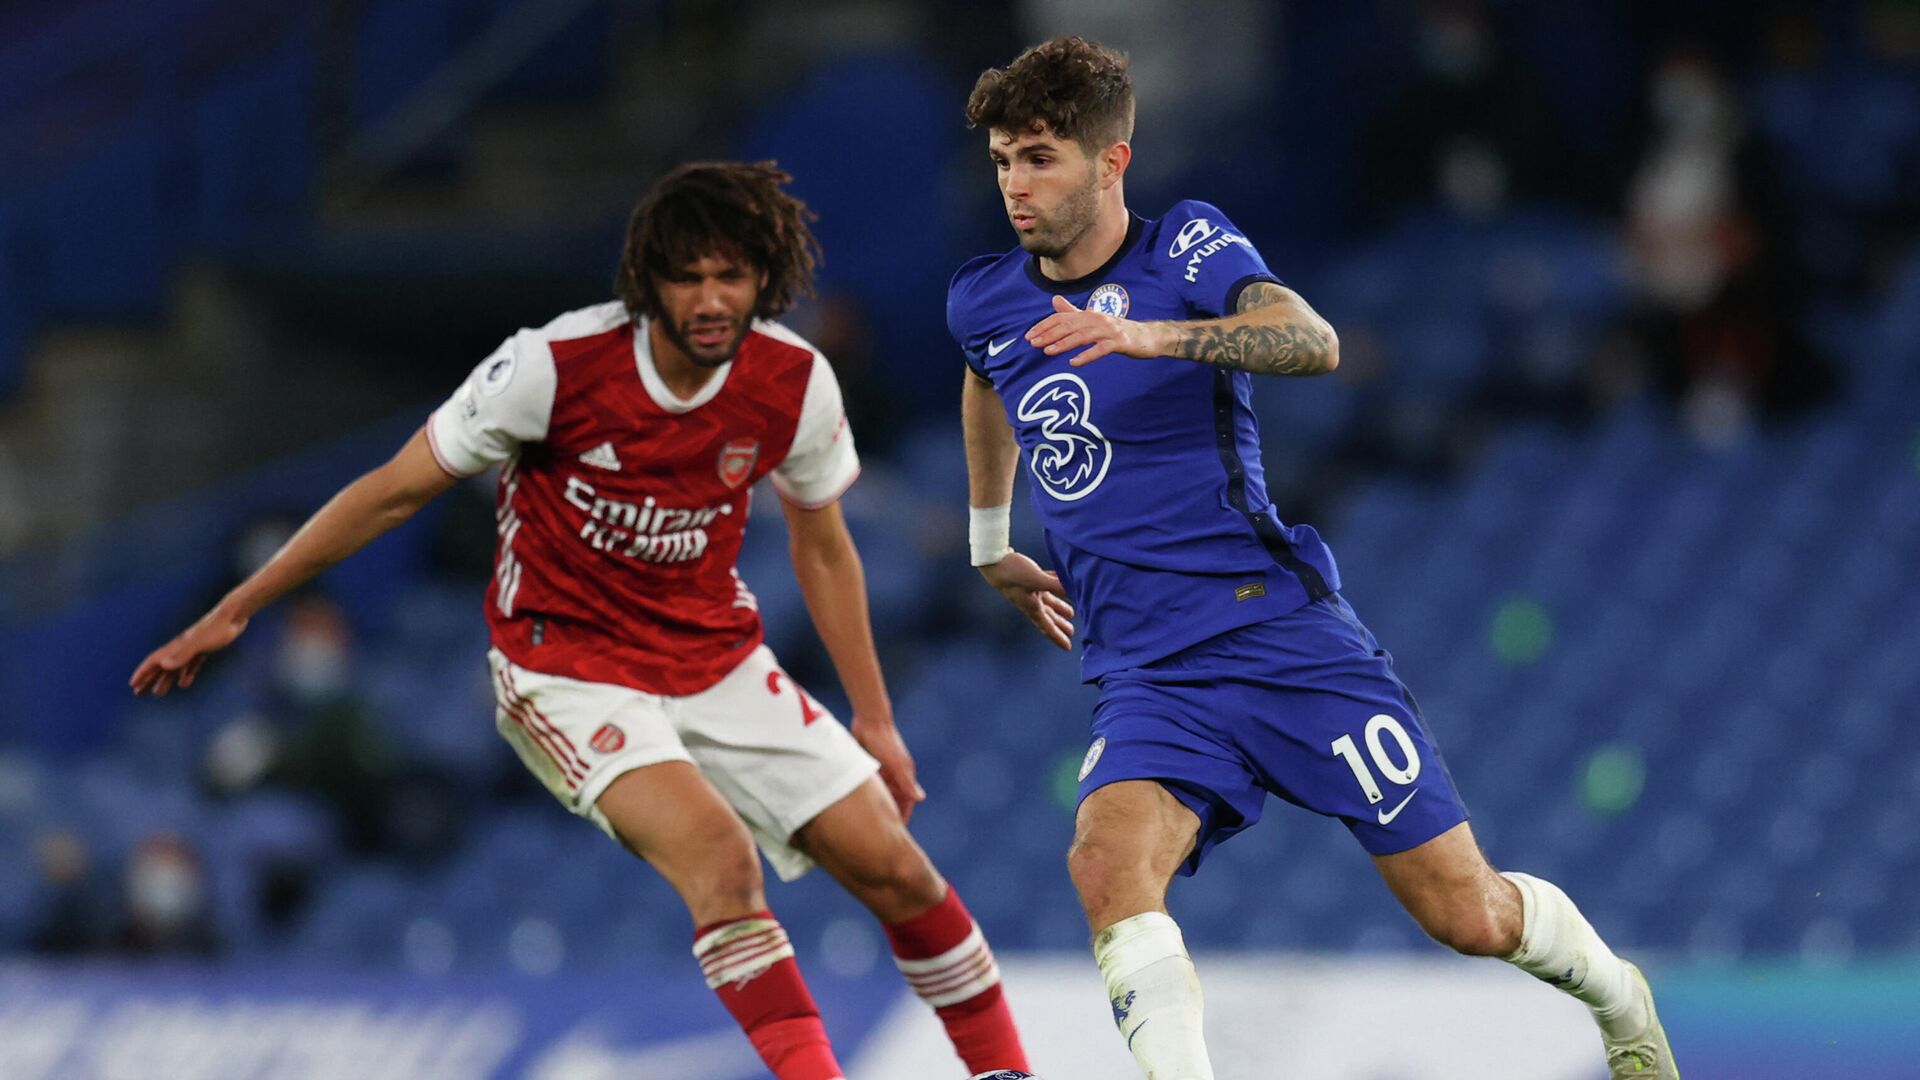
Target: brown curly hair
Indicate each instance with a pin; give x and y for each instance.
(1079, 89)
(726, 208)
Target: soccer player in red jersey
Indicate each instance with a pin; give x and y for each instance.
(628, 666)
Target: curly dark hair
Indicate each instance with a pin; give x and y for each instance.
(727, 208)
(1078, 88)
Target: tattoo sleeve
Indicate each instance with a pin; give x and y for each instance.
(1296, 343)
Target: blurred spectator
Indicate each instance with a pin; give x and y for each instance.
(240, 755)
(840, 329)
(1718, 316)
(16, 517)
(1893, 27)
(1755, 188)
(1185, 104)
(1471, 130)
(464, 535)
(314, 731)
(71, 918)
(165, 893)
(1842, 119)
(331, 743)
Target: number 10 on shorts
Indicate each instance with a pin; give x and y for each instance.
(1403, 776)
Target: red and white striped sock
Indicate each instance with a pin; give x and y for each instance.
(947, 962)
(749, 965)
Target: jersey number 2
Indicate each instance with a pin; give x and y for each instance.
(808, 714)
(1403, 776)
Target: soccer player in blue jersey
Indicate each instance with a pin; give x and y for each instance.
(1228, 664)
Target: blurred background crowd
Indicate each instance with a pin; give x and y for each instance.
(1622, 459)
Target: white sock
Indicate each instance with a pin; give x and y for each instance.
(1558, 946)
(1155, 996)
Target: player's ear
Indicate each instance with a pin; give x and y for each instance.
(1113, 163)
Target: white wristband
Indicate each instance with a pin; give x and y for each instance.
(988, 532)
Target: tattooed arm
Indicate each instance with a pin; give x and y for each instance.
(1271, 332)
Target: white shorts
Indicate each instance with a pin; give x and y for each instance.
(776, 755)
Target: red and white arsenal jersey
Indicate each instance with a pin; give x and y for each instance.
(621, 506)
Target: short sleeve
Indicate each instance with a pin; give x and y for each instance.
(957, 311)
(1214, 260)
(822, 463)
(508, 400)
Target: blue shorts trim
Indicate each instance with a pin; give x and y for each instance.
(1304, 706)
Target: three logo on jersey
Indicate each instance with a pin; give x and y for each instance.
(1074, 455)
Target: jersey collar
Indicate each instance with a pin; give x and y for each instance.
(657, 387)
(1082, 284)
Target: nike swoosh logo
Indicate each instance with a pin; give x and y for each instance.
(996, 350)
(1387, 816)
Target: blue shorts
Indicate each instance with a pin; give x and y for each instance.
(1305, 706)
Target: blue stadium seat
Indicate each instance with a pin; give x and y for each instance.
(358, 919)
(1740, 620)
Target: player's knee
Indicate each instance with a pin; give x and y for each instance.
(1086, 863)
(1473, 930)
(718, 871)
(899, 883)
(915, 880)
(728, 886)
(1101, 870)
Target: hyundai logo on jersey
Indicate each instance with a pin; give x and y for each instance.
(1190, 234)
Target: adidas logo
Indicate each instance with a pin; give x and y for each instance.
(602, 457)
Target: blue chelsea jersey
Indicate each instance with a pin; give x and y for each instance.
(1145, 474)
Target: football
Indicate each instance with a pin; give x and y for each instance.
(1004, 1074)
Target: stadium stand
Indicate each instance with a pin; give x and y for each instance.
(1627, 637)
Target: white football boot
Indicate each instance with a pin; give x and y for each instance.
(1645, 1056)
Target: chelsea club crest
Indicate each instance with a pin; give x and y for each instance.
(1110, 299)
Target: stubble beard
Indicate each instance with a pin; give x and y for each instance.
(677, 334)
(1068, 223)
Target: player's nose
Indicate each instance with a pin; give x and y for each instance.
(712, 298)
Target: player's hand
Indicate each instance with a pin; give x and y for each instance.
(1069, 328)
(179, 660)
(1037, 593)
(882, 739)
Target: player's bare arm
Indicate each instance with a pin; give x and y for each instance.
(834, 585)
(1273, 332)
(992, 456)
(361, 512)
